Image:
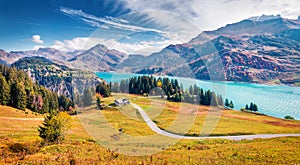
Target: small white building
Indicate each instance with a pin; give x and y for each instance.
(121, 102)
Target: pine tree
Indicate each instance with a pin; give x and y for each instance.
(226, 103)
(87, 97)
(18, 96)
(4, 91)
(214, 100)
(255, 108)
(220, 100)
(54, 127)
(251, 106)
(123, 87)
(116, 88)
(46, 99)
(231, 104)
(103, 90)
(191, 90)
(63, 103)
(247, 107)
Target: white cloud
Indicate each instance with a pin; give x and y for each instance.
(84, 43)
(37, 39)
(210, 15)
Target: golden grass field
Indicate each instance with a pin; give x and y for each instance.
(229, 122)
(20, 144)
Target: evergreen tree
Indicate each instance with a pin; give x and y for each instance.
(220, 100)
(231, 104)
(87, 98)
(116, 87)
(4, 91)
(18, 96)
(191, 90)
(247, 107)
(103, 90)
(123, 87)
(214, 99)
(255, 108)
(251, 106)
(168, 96)
(46, 99)
(202, 97)
(54, 127)
(98, 102)
(226, 103)
(63, 103)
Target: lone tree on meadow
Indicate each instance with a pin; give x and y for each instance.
(55, 125)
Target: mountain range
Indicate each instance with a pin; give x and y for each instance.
(259, 49)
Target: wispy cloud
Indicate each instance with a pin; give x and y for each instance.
(172, 30)
(210, 15)
(37, 39)
(107, 21)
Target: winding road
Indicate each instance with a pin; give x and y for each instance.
(156, 129)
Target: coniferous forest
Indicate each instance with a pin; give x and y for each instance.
(170, 88)
(17, 90)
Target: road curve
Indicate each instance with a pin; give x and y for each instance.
(154, 127)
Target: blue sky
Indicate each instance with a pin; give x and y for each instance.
(20, 20)
(132, 26)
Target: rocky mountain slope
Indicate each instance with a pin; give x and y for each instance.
(8, 58)
(253, 50)
(58, 78)
(98, 58)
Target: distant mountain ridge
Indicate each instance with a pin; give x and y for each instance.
(98, 58)
(259, 49)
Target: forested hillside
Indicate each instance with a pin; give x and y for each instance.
(58, 78)
(18, 90)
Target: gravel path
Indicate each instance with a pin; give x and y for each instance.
(154, 127)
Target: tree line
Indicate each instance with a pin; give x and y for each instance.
(252, 107)
(169, 87)
(17, 90)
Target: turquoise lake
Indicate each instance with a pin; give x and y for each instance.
(274, 100)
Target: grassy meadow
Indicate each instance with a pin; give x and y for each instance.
(20, 144)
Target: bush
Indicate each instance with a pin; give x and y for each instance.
(289, 118)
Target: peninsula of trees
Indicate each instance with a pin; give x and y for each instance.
(170, 88)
